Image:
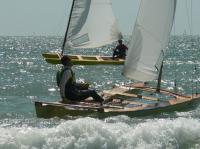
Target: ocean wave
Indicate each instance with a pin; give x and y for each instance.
(94, 133)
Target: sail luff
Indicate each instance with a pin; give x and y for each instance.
(150, 36)
(65, 38)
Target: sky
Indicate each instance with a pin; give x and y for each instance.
(49, 17)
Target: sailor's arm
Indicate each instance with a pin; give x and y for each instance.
(65, 78)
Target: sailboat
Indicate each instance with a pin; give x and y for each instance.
(144, 62)
(91, 24)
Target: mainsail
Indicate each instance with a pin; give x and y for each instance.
(92, 24)
(149, 38)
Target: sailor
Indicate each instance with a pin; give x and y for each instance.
(120, 50)
(69, 89)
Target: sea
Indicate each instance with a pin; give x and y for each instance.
(25, 77)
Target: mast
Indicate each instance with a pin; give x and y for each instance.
(65, 38)
(159, 78)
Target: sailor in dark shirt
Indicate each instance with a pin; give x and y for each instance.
(120, 50)
(69, 89)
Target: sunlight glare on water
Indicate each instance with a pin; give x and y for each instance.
(26, 77)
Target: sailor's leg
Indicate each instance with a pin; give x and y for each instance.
(114, 54)
(95, 96)
(83, 94)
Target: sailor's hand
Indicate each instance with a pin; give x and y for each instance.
(82, 85)
(61, 54)
(85, 85)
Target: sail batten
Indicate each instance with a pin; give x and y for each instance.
(92, 24)
(150, 36)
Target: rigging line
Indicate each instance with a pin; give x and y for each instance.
(195, 69)
(194, 76)
(197, 54)
(190, 20)
(173, 53)
(188, 17)
(191, 17)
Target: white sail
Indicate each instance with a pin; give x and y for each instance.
(150, 36)
(92, 24)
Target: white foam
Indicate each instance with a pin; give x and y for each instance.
(110, 133)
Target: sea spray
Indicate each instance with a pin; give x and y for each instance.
(92, 133)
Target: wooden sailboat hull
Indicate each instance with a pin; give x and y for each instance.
(54, 58)
(49, 110)
(120, 103)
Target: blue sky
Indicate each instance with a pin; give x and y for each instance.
(49, 17)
